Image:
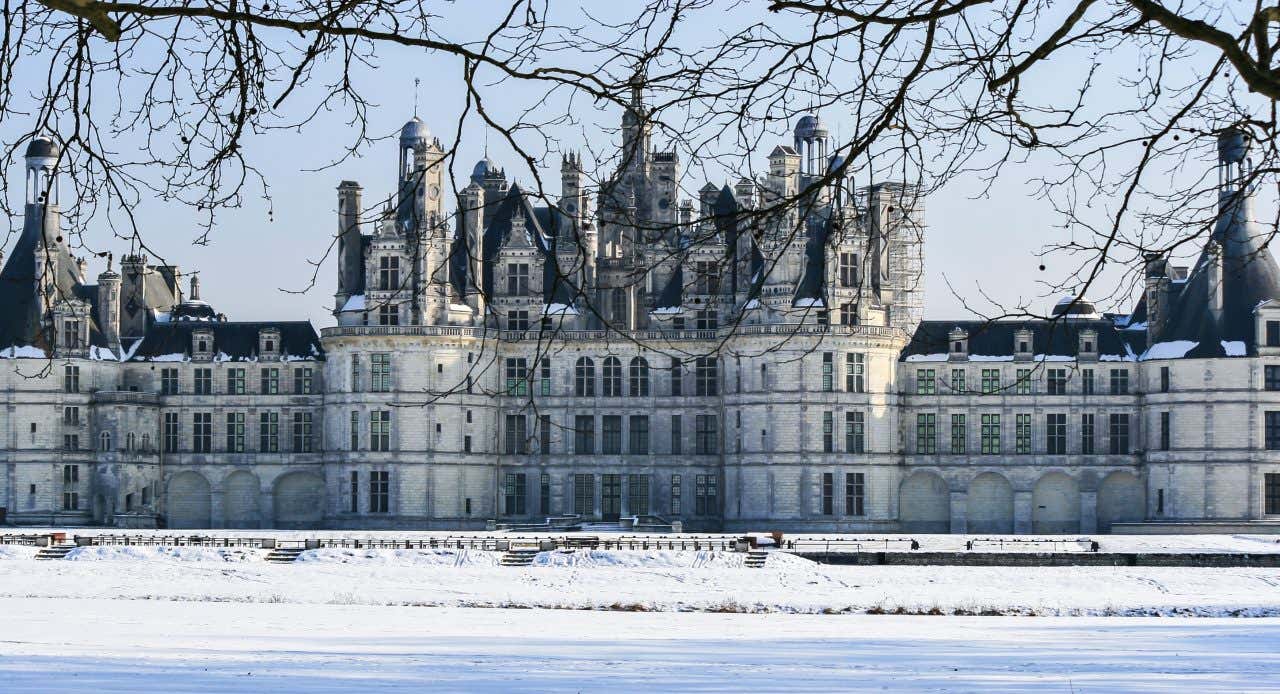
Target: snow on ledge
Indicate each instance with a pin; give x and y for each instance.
(1234, 348)
(1174, 349)
(354, 303)
(24, 352)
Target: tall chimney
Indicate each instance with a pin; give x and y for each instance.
(350, 260)
(109, 306)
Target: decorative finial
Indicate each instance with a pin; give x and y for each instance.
(416, 82)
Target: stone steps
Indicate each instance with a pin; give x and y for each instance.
(284, 555)
(756, 559)
(518, 557)
(53, 552)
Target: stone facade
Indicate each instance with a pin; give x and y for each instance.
(624, 353)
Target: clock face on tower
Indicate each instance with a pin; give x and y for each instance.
(433, 191)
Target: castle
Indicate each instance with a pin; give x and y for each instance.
(724, 364)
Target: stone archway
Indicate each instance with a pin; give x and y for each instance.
(299, 500)
(1055, 505)
(924, 504)
(1121, 498)
(187, 505)
(989, 504)
(240, 492)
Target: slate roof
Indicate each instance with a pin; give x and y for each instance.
(995, 339)
(237, 340)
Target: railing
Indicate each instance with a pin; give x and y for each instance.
(125, 397)
(1080, 544)
(605, 334)
(826, 545)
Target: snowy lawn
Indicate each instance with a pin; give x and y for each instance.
(132, 646)
(635, 581)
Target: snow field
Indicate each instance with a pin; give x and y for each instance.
(666, 581)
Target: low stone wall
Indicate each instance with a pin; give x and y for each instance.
(1043, 559)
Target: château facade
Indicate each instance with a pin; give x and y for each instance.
(727, 362)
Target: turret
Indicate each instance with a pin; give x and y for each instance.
(573, 199)
(472, 213)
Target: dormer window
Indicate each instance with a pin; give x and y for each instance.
(959, 339)
(1023, 347)
(269, 343)
(201, 344)
(1088, 347)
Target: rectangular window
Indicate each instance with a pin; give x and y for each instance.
(707, 376)
(957, 381)
(517, 377)
(544, 494)
(204, 381)
(855, 371)
(1164, 379)
(638, 494)
(828, 432)
(71, 416)
(1272, 378)
(379, 491)
(638, 436)
(202, 432)
(301, 432)
(855, 493)
(355, 492)
(706, 495)
(677, 434)
(848, 269)
(544, 434)
(677, 377)
(235, 432)
(584, 495)
(516, 437)
(270, 381)
(854, 432)
(517, 279)
(389, 314)
(302, 381)
(1086, 382)
(171, 432)
(168, 381)
(611, 434)
(380, 430)
(1273, 333)
(1272, 431)
(990, 434)
(388, 273)
(1271, 493)
(515, 495)
(1118, 433)
(1056, 381)
(959, 432)
(71, 442)
(584, 434)
(1055, 432)
(70, 474)
(990, 381)
(706, 435)
(544, 377)
(1165, 433)
(1087, 436)
(355, 373)
(380, 372)
(675, 495)
(1022, 384)
(925, 384)
(71, 379)
(1119, 381)
(235, 381)
(926, 433)
(828, 491)
(828, 372)
(355, 430)
(269, 432)
(1022, 433)
(70, 501)
(518, 320)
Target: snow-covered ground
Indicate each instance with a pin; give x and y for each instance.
(119, 646)
(626, 580)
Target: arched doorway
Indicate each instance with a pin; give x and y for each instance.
(299, 500)
(240, 493)
(188, 504)
(1055, 505)
(924, 504)
(1121, 499)
(989, 506)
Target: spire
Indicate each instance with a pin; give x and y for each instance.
(195, 288)
(416, 82)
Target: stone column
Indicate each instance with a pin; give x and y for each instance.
(217, 514)
(1022, 512)
(959, 509)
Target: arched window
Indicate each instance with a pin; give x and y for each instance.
(612, 378)
(639, 377)
(584, 377)
(104, 441)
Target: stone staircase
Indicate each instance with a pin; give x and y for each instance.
(519, 556)
(284, 555)
(58, 551)
(756, 559)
